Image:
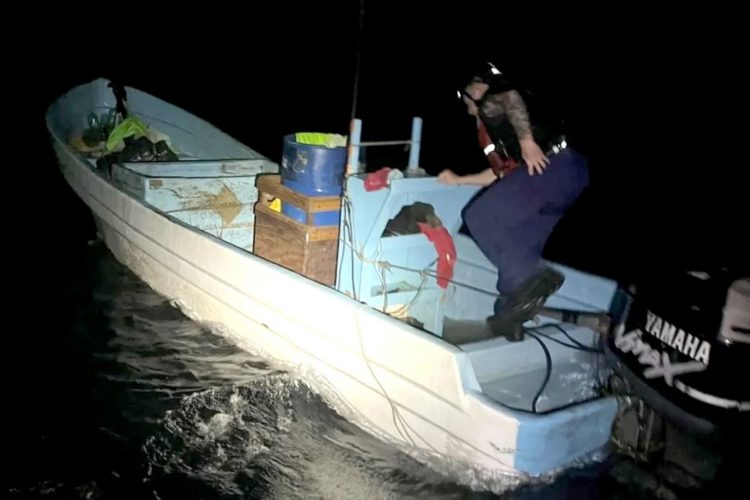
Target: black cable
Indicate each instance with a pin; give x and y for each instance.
(578, 347)
(571, 338)
(549, 371)
(557, 341)
(572, 404)
(533, 333)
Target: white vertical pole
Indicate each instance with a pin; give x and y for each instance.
(355, 135)
(416, 140)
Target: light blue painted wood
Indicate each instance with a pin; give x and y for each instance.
(204, 169)
(370, 214)
(66, 117)
(353, 166)
(128, 181)
(210, 219)
(581, 291)
(546, 442)
(239, 231)
(473, 268)
(192, 137)
(213, 186)
(221, 207)
(170, 194)
(416, 144)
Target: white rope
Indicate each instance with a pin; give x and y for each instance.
(395, 412)
(404, 427)
(422, 272)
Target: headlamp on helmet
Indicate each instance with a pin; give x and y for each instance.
(489, 74)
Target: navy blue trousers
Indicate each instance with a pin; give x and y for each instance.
(512, 219)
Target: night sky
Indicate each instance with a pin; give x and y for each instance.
(272, 70)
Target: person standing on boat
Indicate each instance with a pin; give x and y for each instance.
(533, 178)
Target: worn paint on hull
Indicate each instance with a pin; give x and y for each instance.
(222, 207)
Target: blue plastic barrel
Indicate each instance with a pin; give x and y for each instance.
(313, 170)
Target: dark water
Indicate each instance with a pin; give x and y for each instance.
(141, 402)
(110, 392)
(113, 393)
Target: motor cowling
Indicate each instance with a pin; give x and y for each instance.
(684, 346)
(735, 324)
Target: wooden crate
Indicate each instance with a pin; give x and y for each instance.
(303, 248)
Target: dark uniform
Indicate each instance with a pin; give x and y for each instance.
(512, 218)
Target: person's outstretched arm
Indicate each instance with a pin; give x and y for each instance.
(483, 178)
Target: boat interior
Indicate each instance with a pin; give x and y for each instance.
(397, 273)
(213, 188)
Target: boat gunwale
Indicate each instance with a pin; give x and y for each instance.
(472, 398)
(456, 350)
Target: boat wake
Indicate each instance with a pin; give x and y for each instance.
(275, 438)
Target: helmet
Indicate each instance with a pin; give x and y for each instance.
(487, 72)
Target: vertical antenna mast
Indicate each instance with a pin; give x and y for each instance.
(360, 36)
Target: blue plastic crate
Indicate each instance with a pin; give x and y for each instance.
(330, 218)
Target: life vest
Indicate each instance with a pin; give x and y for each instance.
(496, 134)
(499, 160)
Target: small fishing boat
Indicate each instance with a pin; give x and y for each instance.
(361, 311)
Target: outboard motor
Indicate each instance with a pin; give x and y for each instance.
(735, 325)
(684, 347)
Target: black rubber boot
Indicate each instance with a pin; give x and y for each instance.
(523, 304)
